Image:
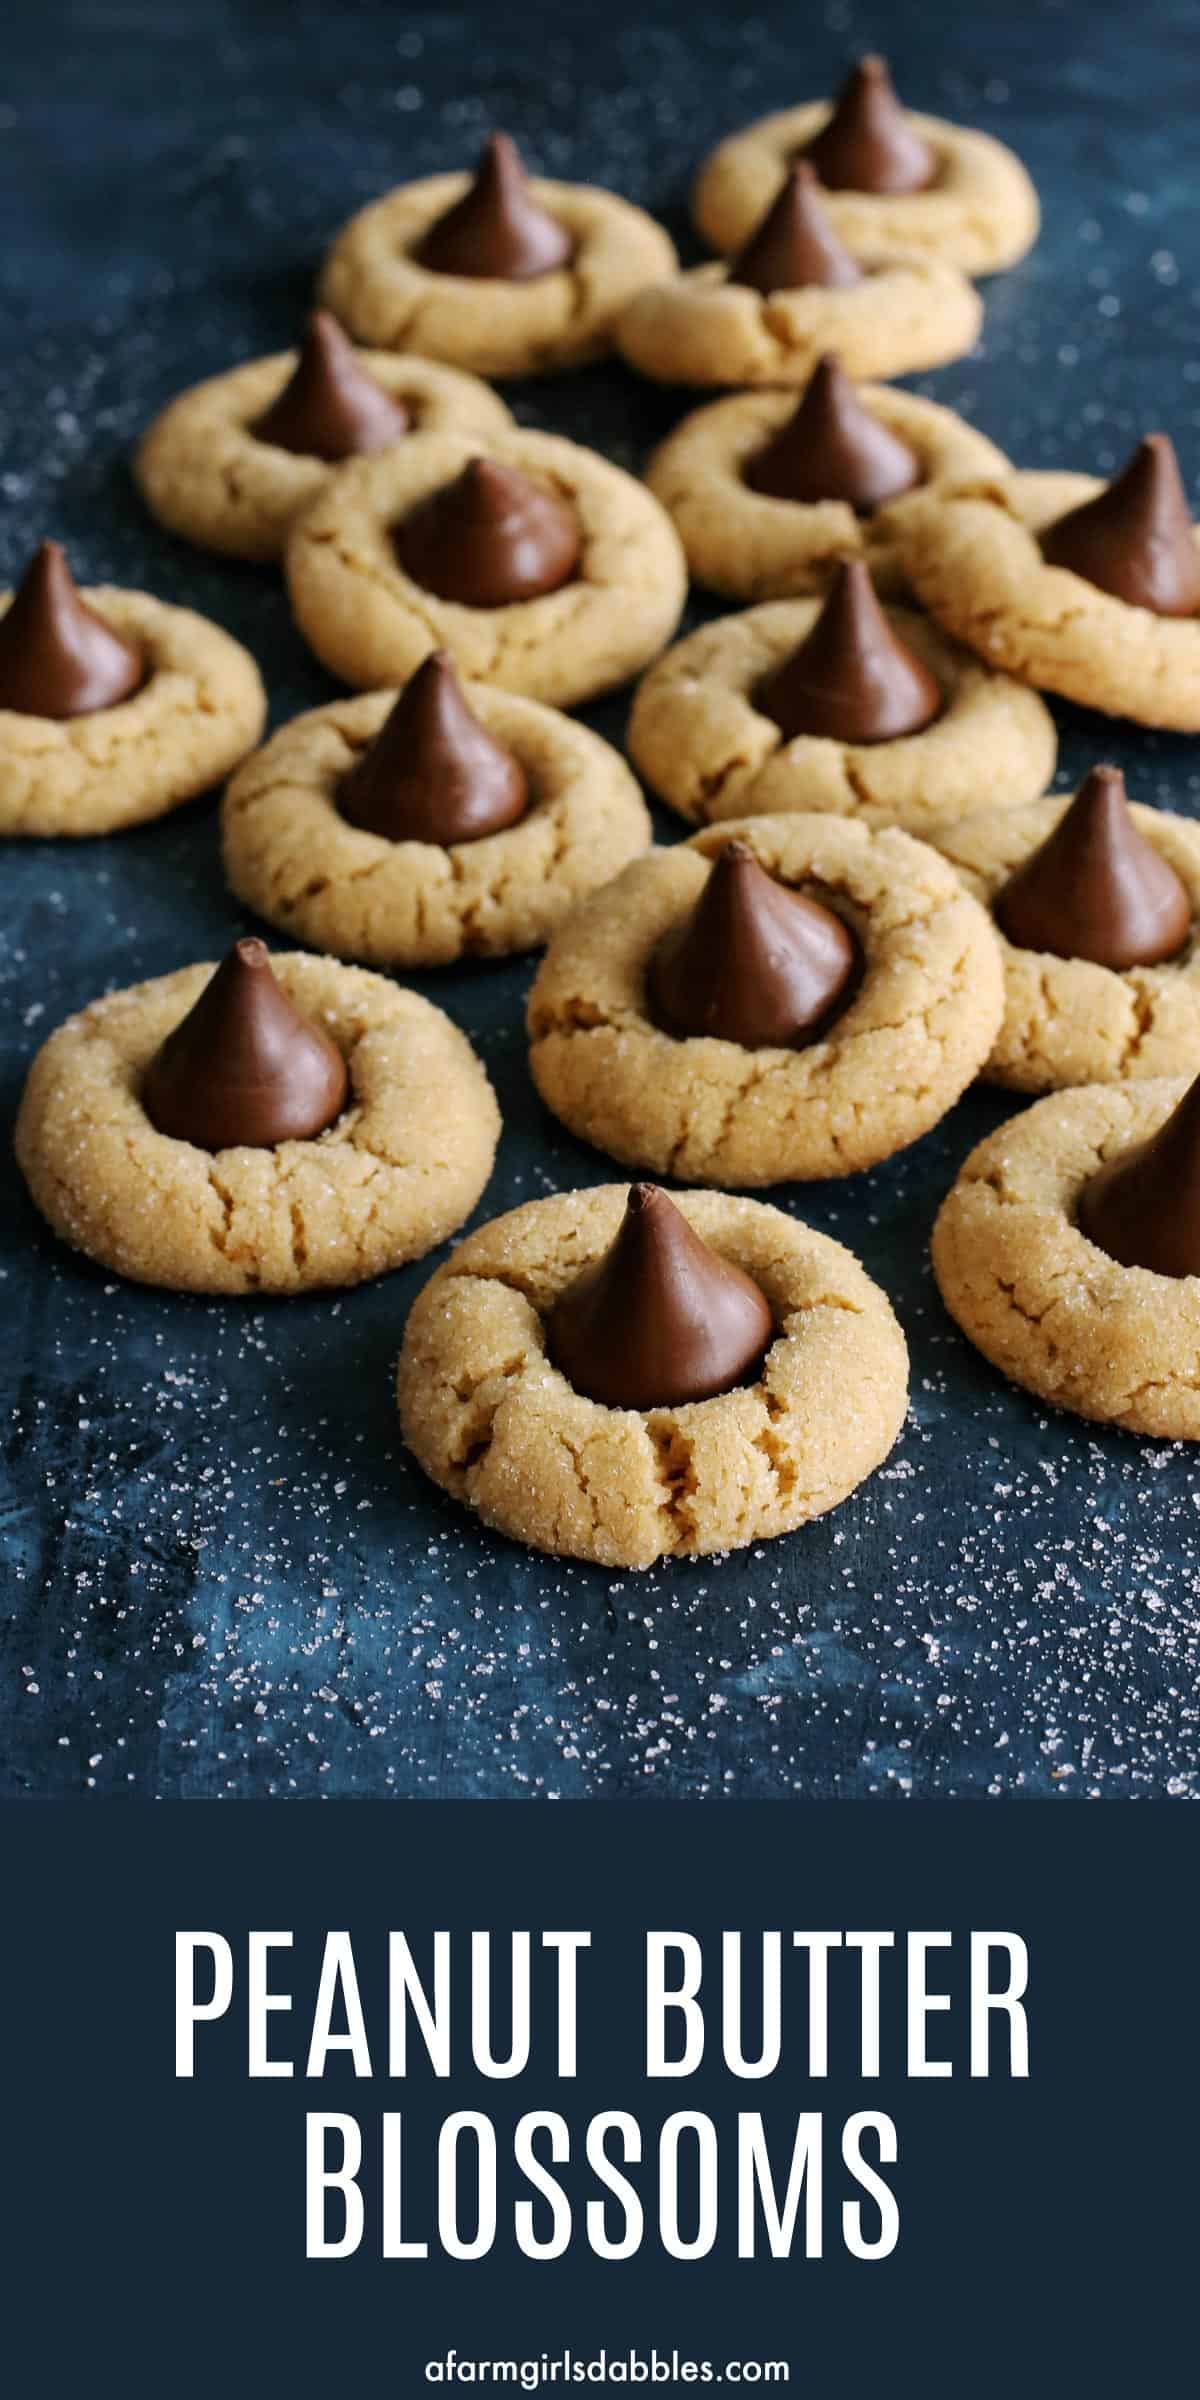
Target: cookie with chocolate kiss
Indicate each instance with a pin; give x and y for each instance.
(244, 1067)
(1136, 538)
(867, 144)
(752, 962)
(498, 228)
(330, 407)
(433, 772)
(1143, 1207)
(58, 658)
(852, 679)
(1097, 889)
(795, 244)
(832, 448)
(661, 1319)
(491, 537)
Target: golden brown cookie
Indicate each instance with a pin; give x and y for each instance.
(917, 1029)
(971, 553)
(979, 213)
(374, 282)
(205, 474)
(1068, 1020)
(199, 710)
(750, 546)
(372, 624)
(398, 1171)
(494, 1423)
(292, 856)
(907, 313)
(698, 739)
(1049, 1308)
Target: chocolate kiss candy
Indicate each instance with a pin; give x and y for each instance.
(1143, 1208)
(832, 448)
(868, 145)
(1135, 539)
(852, 678)
(57, 657)
(794, 243)
(752, 962)
(244, 1066)
(490, 537)
(497, 228)
(330, 407)
(433, 773)
(1096, 889)
(661, 1318)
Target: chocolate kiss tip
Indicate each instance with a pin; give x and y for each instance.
(752, 962)
(498, 229)
(833, 448)
(1136, 538)
(330, 407)
(1143, 1207)
(244, 1067)
(661, 1318)
(434, 773)
(851, 679)
(490, 537)
(1096, 889)
(58, 657)
(867, 143)
(794, 243)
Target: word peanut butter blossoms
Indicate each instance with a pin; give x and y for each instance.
(773, 2182)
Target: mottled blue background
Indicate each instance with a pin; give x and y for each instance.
(220, 1572)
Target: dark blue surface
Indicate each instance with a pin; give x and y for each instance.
(220, 1573)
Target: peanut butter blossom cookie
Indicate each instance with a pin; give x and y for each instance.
(794, 292)
(621, 1377)
(768, 493)
(498, 273)
(114, 706)
(836, 705)
(442, 824)
(230, 463)
(889, 176)
(787, 997)
(536, 564)
(1079, 587)
(1069, 1253)
(268, 1126)
(1096, 906)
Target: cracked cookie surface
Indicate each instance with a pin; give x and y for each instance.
(697, 737)
(907, 313)
(372, 624)
(980, 212)
(204, 473)
(918, 1027)
(199, 710)
(1040, 1300)
(971, 553)
(292, 856)
(398, 1171)
(748, 545)
(384, 296)
(1067, 1020)
(494, 1423)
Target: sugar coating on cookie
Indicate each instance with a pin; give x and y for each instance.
(1047, 1306)
(372, 623)
(972, 553)
(905, 314)
(916, 1029)
(697, 736)
(492, 1421)
(292, 856)
(397, 1172)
